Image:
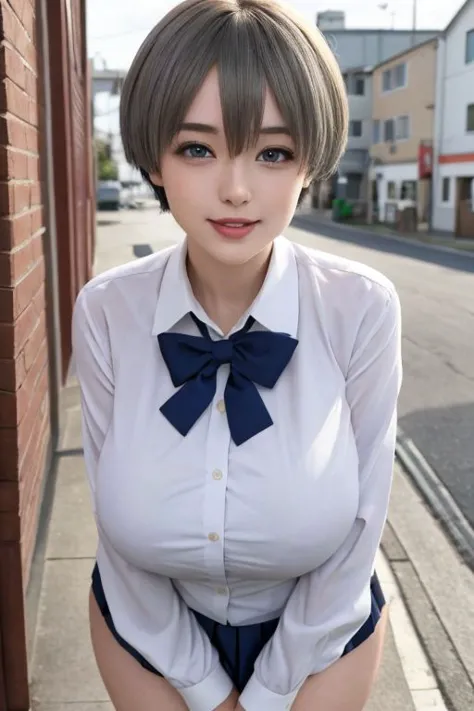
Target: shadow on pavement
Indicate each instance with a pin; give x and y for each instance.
(385, 243)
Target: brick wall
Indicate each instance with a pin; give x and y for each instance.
(24, 401)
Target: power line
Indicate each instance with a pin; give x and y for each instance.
(120, 34)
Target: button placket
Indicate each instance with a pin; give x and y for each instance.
(217, 459)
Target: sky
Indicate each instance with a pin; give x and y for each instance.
(116, 28)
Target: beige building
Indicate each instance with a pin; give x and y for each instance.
(403, 119)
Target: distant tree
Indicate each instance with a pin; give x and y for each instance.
(107, 168)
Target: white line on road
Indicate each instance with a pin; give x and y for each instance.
(416, 667)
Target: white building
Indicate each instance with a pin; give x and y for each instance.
(453, 183)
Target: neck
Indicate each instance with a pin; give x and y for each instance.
(226, 291)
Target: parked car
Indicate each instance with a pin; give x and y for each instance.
(109, 194)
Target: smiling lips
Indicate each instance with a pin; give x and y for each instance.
(234, 228)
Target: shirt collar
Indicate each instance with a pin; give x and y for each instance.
(276, 306)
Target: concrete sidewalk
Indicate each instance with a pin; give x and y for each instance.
(63, 669)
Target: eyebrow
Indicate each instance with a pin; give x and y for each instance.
(207, 128)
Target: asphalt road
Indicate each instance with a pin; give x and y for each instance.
(437, 295)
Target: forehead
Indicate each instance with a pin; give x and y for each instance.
(206, 106)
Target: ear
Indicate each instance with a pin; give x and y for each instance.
(156, 179)
(307, 182)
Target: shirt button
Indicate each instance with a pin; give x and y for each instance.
(221, 591)
(217, 474)
(213, 537)
(221, 406)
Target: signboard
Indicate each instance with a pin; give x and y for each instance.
(425, 161)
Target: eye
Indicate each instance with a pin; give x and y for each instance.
(194, 150)
(275, 155)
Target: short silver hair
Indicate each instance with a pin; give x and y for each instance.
(254, 44)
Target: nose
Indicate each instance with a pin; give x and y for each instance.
(234, 186)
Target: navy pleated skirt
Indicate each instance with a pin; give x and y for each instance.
(238, 646)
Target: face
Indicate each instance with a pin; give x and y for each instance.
(230, 208)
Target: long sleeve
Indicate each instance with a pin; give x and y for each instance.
(159, 626)
(329, 605)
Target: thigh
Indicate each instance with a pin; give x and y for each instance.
(346, 684)
(129, 685)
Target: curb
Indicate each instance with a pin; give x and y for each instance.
(437, 496)
(306, 219)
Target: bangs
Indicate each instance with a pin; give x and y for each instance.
(255, 45)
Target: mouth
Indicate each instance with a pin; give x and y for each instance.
(233, 227)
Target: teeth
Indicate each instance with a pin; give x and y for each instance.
(234, 224)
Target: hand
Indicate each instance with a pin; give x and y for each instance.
(239, 708)
(230, 702)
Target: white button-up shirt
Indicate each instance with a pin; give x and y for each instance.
(286, 524)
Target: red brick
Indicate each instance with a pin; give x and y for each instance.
(14, 32)
(35, 198)
(14, 198)
(8, 375)
(37, 219)
(36, 342)
(34, 112)
(13, 132)
(6, 269)
(15, 99)
(37, 405)
(9, 527)
(15, 405)
(25, 13)
(33, 168)
(15, 230)
(14, 336)
(9, 497)
(12, 66)
(6, 305)
(31, 84)
(8, 409)
(9, 454)
(13, 164)
(25, 290)
(32, 139)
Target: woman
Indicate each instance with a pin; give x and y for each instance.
(239, 391)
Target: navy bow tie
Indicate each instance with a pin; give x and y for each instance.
(257, 357)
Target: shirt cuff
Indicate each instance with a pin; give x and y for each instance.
(209, 693)
(256, 697)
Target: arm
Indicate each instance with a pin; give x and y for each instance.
(166, 634)
(328, 606)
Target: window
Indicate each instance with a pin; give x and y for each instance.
(403, 128)
(376, 131)
(355, 85)
(391, 190)
(400, 76)
(359, 86)
(387, 80)
(470, 46)
(408, 190)
(446, 189)
(388, 131)
(395, 78)
(470, 118)
(355, 129)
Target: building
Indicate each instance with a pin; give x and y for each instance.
(358, 51)
(331, 20)
(46, 244)
(403, 118)
(453, 183)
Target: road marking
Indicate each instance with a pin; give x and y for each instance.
(417, 670)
